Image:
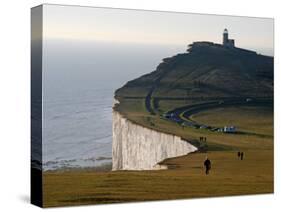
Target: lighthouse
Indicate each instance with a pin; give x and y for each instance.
(225, 37)
(226, 41)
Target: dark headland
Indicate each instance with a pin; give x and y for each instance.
(210, 74)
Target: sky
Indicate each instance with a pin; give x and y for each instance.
(153, 27)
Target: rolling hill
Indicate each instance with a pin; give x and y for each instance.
(206, 70)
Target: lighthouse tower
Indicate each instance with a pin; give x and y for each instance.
(227, 42)
(225, 37)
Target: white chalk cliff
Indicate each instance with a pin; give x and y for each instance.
(135, 147)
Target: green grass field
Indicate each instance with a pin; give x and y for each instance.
(185, 177)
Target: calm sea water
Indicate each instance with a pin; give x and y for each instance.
(79, 80)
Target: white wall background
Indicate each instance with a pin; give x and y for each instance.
(15, 103)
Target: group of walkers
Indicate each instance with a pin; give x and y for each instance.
(203, 139)
(207, 162)
(240, 155)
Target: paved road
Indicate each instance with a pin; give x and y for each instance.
(182, 115)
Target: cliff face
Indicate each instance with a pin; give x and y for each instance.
(135, 147)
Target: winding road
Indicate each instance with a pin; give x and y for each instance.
(182, 115)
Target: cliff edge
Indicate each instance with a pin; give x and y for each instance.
(135, 147)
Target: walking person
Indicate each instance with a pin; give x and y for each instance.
(207, 164)
(239, 154)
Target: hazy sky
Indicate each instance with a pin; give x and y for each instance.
(167, 28)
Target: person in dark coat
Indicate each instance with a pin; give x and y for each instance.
(238, 154)
(207, 164)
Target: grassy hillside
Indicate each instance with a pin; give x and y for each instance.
(207, 70)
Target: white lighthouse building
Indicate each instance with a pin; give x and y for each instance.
(226, 41)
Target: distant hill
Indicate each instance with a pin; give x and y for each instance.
(206, 70)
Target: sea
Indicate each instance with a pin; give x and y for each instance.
(79, 80)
